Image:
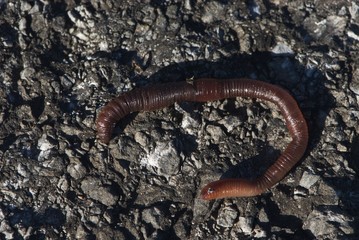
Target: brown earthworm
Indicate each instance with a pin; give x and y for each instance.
(203, 90)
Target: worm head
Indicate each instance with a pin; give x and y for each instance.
(212, 190)
(229, 188)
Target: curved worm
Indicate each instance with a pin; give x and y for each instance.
(203, 90)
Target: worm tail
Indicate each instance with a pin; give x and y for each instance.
(145, 99)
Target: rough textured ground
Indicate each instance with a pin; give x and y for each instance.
(60, 61)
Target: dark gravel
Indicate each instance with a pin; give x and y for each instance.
(60, 61)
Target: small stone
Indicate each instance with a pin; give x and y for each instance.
(325, 221)
(215, 132)
(38, 23)
(189, 124)
(308, 179)
(227, 216)
(6, 230)
(8, 43)
(230, 122)
(164, 158)
(76, 169)
(75, 18)
(25, 6)
(212, 12)
(63, 184)
(81, 232)
(45, 147)
(354, 10)
(300, 192)
(155, 217)
(342, 148)
(246, 224)
(94, 189)
(282, 49)
(106, 232)
(22, 25)
(22, 170)
(66, 81)
(142, 139)
(147, 14)
(259, 233)
(172, 11)
(353, 35)
(27, 73)
(354, 84)
(325, 28)
(81, 35)
(263, 217)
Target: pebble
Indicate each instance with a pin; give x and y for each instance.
(45, 147)
(81, 232)
(328, 27)
(212, 12)
(282, 49)
(190, 124)
(47, 55)
(94, 188)
(308, 179)
(354, 10)
(142, 139)
(215, 132)
(227, 217)
(27, 73)
(324, 223)
(354, 84)
(164, 158)
(104, 233)
(6, 229)
(76, 169)
(353, 35)
(230, 122)
(246, 224)
(155, 217)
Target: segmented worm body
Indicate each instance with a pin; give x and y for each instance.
(203, 90)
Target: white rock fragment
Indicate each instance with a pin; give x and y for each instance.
(245, 224)
(352, 35)
(164, 159)
(76, 170)
(22, 25)
(326, 222)
(27, 73)
(75, 19)
(282, 49)
(6, 230)
(354, 84)
(215, 132)
(341, 148)
(263, 217)
(213, 11)
(81, 35)
(142, 139)
(227, 216)
(330, 26)
(259, 233)
(45, 147)
(230, 122)
(22, 170)
(187, 5)
(189, 124)
(154, 216)
(354, 10)
(308, 179)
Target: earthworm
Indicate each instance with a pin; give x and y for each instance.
(202, 90)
